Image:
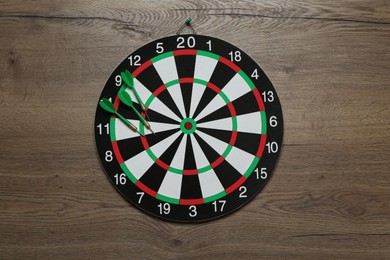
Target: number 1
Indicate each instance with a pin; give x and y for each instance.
(209, 44)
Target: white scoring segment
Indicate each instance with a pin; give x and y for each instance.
(204, 67)
(200, 158)
(177, 96)
(178, 159)
(156, 104)
(220, 124)
(166, 69)
(197, 92)
(171, 185)
(240, 159)
(250, 123)
(209, 182)
(161, 108)
(141, 162)
(122, 131)
(218, 145)
(142, 91)
(216, 103)
(159, 148)
(161, 127)
(246, 123)
(235, 88)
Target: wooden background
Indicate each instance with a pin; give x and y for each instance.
(330, 193)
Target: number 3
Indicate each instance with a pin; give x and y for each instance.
(193, 212)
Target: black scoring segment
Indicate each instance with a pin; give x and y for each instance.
(153, 177)
(167, 99)
(227, 179)
(222, 135)
(170, 153)
(154, 139)
(150, 79)
(248, 142)
(127, 112)
(207, 96)
(222, 75)
(189, 159)
(131, 146)
(208, 151)
(157, 117)
(185, 65)
(220, 113)
(186, 90)
(246, 104)
(190, 187)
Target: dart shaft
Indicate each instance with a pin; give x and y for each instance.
(128, 123)
(143, 107)
(143, 120)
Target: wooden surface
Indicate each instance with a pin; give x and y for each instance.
(330, 193)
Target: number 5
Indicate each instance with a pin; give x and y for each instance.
(159, 47)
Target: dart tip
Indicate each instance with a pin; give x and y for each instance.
(152, 131)
(147, 116)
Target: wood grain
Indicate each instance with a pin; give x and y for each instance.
(329, 196)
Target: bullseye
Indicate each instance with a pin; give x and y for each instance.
(188, 125)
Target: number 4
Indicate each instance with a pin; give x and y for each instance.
(255, 74)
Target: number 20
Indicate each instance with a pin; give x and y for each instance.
(181, 42)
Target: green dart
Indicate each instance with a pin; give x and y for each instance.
(129, 81)
(126, 99)
(109, 107)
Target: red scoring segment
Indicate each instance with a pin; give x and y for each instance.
(185, 52)
(142, 68)
(229, 64)
(188, 126)
(191, 201)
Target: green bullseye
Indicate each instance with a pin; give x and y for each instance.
(188, 125)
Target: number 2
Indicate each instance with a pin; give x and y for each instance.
(243, 195)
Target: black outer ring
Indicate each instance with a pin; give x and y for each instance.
(205, 212)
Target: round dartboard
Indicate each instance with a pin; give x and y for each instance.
(217, 128)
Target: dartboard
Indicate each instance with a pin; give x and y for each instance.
(217, 128)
